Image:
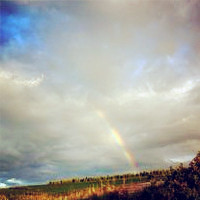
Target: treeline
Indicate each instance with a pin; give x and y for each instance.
(182, 183)
(125, 178)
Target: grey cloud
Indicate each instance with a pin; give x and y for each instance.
(137, 62)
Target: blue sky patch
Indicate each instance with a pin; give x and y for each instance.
(17, 25)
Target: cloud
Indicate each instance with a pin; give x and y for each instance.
(3, 185)
(14, 181)
(15, 79)
(182, 159)
(135, 61)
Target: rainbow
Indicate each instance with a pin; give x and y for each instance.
(118, 139)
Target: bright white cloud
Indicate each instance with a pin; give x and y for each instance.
(3, 185)
(14, 181)
(16, 79)
(182, 159)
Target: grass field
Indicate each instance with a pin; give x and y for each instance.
(71, 189)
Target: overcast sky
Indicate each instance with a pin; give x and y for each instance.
(64, 62)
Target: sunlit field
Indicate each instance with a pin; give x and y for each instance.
(85, 187)
(80, 188)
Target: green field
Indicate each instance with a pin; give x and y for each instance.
(59, 187)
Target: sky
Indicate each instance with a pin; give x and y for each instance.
(96, 87)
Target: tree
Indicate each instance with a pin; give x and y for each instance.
(195, 163)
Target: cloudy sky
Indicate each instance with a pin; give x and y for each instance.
(90, 87)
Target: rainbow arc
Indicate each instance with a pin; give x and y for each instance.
(118, 139)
